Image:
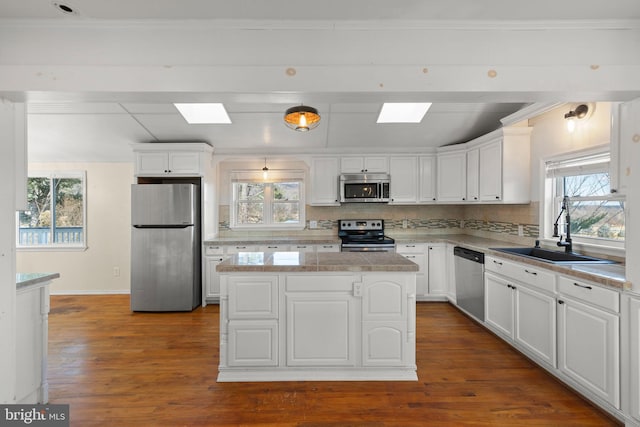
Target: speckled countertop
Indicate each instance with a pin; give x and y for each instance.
(607, 275)
(296, 261)
(24, 280)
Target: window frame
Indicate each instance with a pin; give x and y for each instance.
(268, 203)
(550, 205)
(51, 175)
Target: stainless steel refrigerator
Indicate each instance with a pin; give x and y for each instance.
(165, 247)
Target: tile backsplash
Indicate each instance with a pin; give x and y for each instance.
(518, 223)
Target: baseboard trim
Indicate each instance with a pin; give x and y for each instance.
(92, 292)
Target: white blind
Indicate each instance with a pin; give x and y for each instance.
(273, 175)
(585, 165)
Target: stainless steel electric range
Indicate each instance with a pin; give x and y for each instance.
(364, 235)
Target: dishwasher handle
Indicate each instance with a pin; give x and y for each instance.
(469, 254)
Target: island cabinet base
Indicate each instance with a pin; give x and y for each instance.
(334, 326)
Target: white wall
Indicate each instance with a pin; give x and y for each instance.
(108, 234)
(550, 137)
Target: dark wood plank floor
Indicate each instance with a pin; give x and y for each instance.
(117, 368)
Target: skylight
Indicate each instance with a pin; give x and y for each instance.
(203, 113)
(403, 112)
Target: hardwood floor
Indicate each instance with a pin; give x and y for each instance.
(117, 368)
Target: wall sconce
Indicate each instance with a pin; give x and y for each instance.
(580, 112)
(265, 170)
(302, 118)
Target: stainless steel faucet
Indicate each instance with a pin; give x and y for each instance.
(567, 244)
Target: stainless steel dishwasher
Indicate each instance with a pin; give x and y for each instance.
(469, 270)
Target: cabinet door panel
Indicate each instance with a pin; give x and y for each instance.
(428, 178)
(384, 343)
(498, 307)
(152, 163)
(253, 297)
(384, 298)
(253, 343)
(634, 344)
(321, 330)
(473, 175)
(452, 177)
(490, 186)
(437, 270)
(184, 163)
(589, 348)
(324, 181)
(404, 185)
(535, 326)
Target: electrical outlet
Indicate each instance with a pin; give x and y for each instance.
(520, 230)
(313, 224)
(405, 223)
(116, 271)
(462, 223)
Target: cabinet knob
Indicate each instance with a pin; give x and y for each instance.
(475, 198)
(434, 198)
(613, 190)
(497, 197)
(464, 198)
(560, 302)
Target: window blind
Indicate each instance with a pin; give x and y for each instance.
(585, 165)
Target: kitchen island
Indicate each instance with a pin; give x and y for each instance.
(292, 316)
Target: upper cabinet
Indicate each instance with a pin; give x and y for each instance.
(404, 186)
(427, 179)
(324, 181)
(174, 159)
(378, 164)
(494, 168)
(625, 132)
(452, 177)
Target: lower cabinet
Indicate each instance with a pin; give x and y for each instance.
(303, 326)
(253, 343)
(522, 314)
(437, 269)
(634, 356)
(432, 276)
(320, 330)
(588, 348)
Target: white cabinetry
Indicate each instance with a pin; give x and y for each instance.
(634, 356)
(490, 171)
(179, 159)
(378, 164)
(473, 175)
(625, 133)
(437, 270)
(213, 255)
(324, 181)
(417, 252)
(32, 323)
(328, 247)
(452, 177)
(404, 185)
(388, 329)
(427, 179)
(520, 304)
(588, 338)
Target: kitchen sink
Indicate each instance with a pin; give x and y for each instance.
(554, 257)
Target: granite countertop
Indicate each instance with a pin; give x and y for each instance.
(296, 261)
(265, 240)
(607, 275)
(24, 280)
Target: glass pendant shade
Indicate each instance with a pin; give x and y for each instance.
(302, 118)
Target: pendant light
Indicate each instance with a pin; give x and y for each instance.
(302, 118)
(265, 170)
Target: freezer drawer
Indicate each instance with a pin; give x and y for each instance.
(165, 275)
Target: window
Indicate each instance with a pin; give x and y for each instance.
(277, 204)
(56, 215)
(596, 215)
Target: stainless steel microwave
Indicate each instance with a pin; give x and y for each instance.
(364, 187)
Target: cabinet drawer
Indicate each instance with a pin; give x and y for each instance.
(305, 283)
(530, 275)
(234, 249)
(594, 294)
(273, 248)
(403, 248)
(213, 250)
(303, 248)
(328, 248)
(420, 259)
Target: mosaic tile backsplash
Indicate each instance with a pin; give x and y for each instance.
(504, 220)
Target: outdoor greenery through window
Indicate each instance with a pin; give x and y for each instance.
(267, 204)
(597, 215)
(56, 215)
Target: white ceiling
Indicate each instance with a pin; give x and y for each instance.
(99, 131)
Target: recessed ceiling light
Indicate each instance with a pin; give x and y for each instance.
(403, 112)
(204, 113)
